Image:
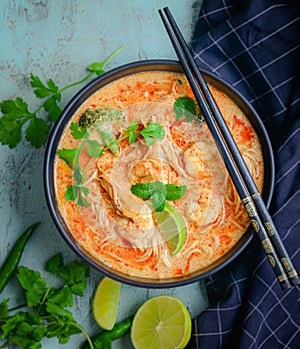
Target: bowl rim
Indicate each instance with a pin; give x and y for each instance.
(86, 92)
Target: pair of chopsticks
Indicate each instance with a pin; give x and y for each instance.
(234, 162)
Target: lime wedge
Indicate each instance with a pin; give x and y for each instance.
(172, 227)
(105, 303)
(162, 322)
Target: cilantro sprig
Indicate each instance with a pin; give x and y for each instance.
(46, 313)
(76, 191)
(158, 192)
(18, 115)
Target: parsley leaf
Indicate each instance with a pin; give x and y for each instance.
(50, 106)
(77, 131)
(55, 263)
(77, 191)
(10, 132)
(41, 90)
(68, 155)
(16, 112)
(94, 148)
(110, 141)
(15, 115)
(3, 311)
(37, 132)
(61, 296)
(50, 90)
(153, 130)
(33, 284)
(97, 67)
(131, 132)
(48, 316)
(13, 109)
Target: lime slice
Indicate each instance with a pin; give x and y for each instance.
(162, 322)
(172, 227)
(105, 303)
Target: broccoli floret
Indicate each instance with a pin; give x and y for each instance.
(92, 116)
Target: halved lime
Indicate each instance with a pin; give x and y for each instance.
(162, 322)
(105, 303)
(172, 226)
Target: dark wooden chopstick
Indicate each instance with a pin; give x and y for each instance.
(241, 177)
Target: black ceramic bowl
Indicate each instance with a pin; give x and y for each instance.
(78, 99)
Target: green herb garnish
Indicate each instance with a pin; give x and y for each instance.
(17, 114)
(46, 313)
(77, 191)
(158, 192)
(186, 107)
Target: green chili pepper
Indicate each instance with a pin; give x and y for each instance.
(13, 258)
(104, 339)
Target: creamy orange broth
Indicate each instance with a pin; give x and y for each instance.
(113, 229)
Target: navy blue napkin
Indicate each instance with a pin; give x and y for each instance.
(255, 46)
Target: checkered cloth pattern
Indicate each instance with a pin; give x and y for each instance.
(255, 46)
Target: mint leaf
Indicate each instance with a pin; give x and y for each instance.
(141, 190)
(175, 192)
(158, 201)
(158, 191)
(33, 284)
(157, 186)
(185, 107)
(37, 132)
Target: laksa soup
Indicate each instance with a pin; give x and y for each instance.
(139, 181)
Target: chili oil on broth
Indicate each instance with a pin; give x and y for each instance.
(117, 234)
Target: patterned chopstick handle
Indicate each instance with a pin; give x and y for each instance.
(266, 243)
(275, 238)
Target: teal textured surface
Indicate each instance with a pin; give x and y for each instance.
(58, 40)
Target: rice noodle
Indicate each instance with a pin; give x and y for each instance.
(130, 241)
